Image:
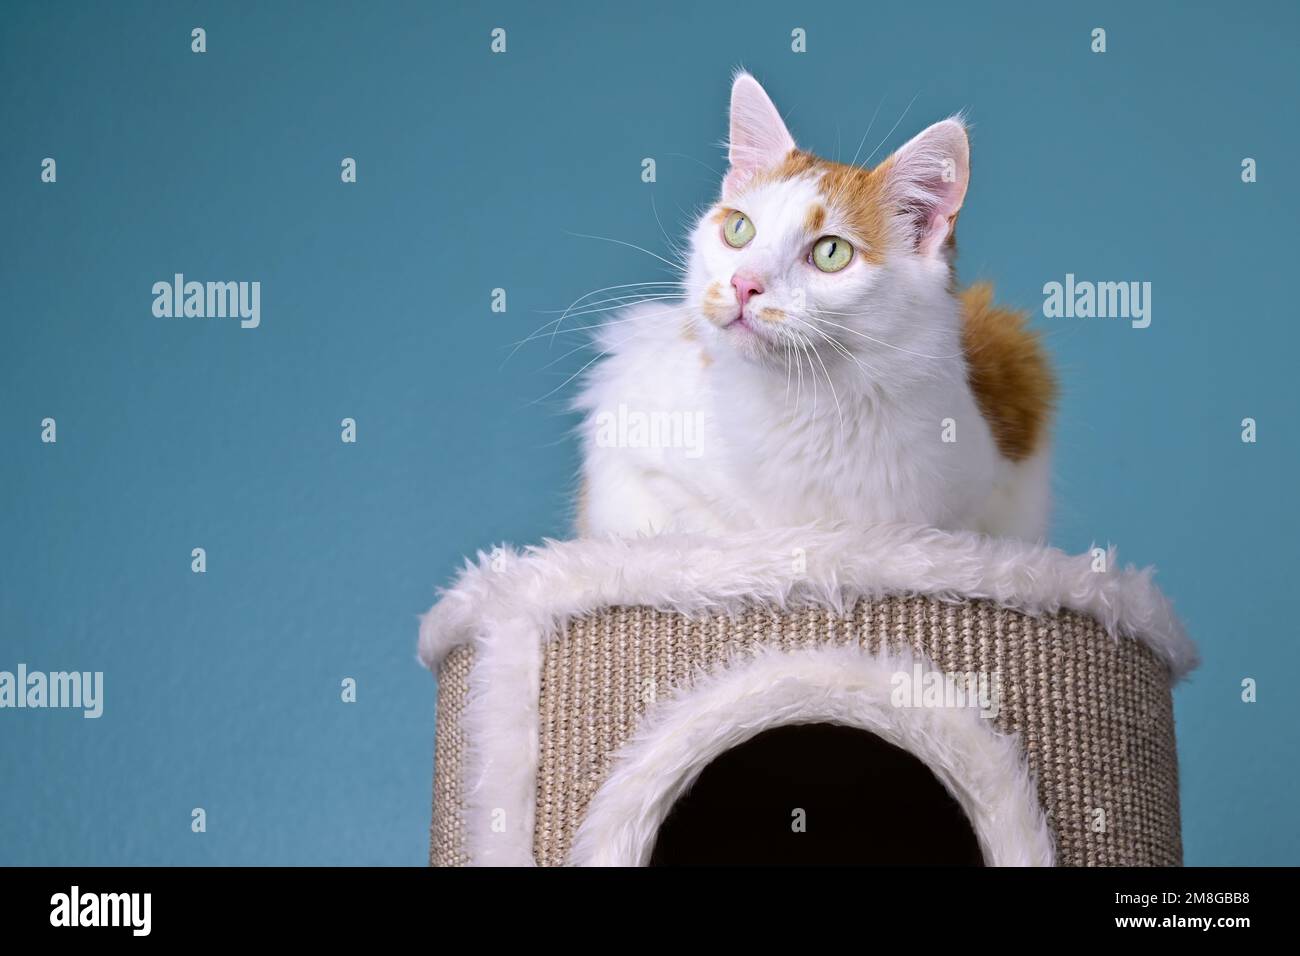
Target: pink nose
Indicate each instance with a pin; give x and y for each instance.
(745, 285)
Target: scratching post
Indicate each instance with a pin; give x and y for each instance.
(804, 696)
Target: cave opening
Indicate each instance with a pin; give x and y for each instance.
(816, 794)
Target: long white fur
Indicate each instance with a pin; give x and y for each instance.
(797, 431)
(790, 567)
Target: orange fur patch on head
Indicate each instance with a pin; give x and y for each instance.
(771, 315)
(720, 214)
(855, 193)
(1009, 372)
(796, 163)
(860, 193)
(815, 219)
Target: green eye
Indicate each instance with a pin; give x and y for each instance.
(737, 229)
(831, 254)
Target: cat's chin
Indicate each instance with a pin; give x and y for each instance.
(746, 338)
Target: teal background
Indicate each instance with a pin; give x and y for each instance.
(222, 689)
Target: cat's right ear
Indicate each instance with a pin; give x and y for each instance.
(758, 138)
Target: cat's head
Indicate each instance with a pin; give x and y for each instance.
(799, 250)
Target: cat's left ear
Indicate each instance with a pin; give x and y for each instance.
(927, 182)
(758, 138)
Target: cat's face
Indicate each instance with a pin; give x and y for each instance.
(807, 254)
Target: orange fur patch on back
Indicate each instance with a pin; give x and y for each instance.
(1008, 371)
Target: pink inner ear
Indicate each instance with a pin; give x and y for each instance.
(934, 232)
(928, 179)
(935, 220)
(932, 202)
(758, 137)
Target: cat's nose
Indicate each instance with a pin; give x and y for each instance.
(745, 285)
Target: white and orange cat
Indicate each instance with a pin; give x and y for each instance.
(820, 359)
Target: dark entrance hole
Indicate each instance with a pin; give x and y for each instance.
(865, 801)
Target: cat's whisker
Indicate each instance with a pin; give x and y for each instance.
(787, 378)
(563, 384)
(825, 371)
(560, 358)
(682, 311)
(677, 267)
(614, 305)
(716, 172)
(891, 129)
(620, 301)
(867, 369)
(888, 345)
(631, 245)
(574, 304)
(651, 287)
(868, 312)
(798, 395)
(838, 346)
(631, 298)
(625, 285)
(586, 366)
(854, 160)
(677, 250)
(587, 345)
(654, 284)
(803, 341)
(839, 409)
(540, 334)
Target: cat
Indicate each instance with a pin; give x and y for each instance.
(819, 341)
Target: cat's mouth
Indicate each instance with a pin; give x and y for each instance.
(753, 337)
(747, 327)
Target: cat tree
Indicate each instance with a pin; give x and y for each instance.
(683, 699)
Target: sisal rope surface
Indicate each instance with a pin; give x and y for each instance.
(1094, 715)
(447, 834)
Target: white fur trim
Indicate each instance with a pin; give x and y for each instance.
(984, 771)
(500, 721)
(830, 567)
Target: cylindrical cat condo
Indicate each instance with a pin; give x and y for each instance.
(897, 695)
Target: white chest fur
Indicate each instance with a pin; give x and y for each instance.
(677, 440)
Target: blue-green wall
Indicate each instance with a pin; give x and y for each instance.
(222, 689)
